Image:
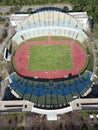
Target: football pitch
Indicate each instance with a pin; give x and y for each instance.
(50, 57)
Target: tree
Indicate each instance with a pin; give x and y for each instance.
(29, 10)
(65, 9)
(4, 35)
(84, 127)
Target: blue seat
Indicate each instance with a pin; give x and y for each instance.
(36, 92)
(60, 92)
(72, 88)
(42, 92)
(66, 91)
(29, 90)
(21, 89)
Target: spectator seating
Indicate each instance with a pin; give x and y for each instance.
(47, 31)
(48, 18)
(48, 94)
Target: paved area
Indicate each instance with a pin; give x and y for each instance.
(1, 30)
(10, 33)
(94, 42)
(4, 84)
(24, 8)
(5, 9)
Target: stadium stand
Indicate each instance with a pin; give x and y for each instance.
(49, 94)
(55, 94)
(46, 31)
(44, 19)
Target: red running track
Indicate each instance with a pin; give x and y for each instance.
(22, 55)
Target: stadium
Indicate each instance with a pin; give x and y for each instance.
(51, 57)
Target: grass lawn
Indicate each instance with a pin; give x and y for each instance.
(50, 57)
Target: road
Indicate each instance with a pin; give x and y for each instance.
(5, 83)
(94, 40)
(10, 33)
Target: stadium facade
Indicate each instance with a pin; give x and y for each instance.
(49, 96)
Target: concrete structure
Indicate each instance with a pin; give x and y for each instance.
(85, 104)
(23, 106)
(16, 19)
(81, 17)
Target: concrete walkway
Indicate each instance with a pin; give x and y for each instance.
(34, 7)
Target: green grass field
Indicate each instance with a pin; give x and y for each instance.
(50, 57)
